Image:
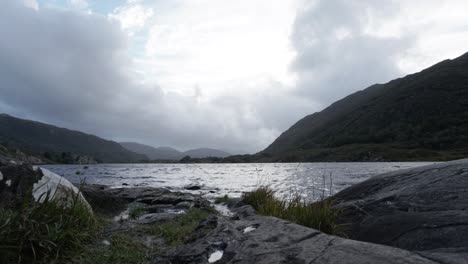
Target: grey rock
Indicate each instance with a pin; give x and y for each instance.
(278, 241)
(138, 193)
(160, 203)
(147, 219)
(177, 199)
(23, 182)
(192, 187)
(171, 198)
(184, 205)
(16, 183)
(103, 200)
(420, 209)
(54, 187)
(159, 208)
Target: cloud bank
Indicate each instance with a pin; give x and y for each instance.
(339, 54)
(72, 69)
(210, 73)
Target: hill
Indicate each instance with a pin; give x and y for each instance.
(168, 153)
(60, 144)
(205, 152)
(419, 117)
(160, 153)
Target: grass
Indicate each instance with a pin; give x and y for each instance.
(318, 215)
(123, 249)
(44, 232)
(180, 229)
(221, 199)
(126, 248)
(136, 212)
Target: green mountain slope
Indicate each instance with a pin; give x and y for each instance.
(422, 116)
(60, 144)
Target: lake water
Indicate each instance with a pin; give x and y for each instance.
(310, 179)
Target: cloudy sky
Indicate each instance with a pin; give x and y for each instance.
(210, 73)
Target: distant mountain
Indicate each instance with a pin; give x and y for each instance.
(60, 144)
(422, 116)
(168, 153)
(205, 152)
(160, 153)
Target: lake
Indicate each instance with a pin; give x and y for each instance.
(312, 180)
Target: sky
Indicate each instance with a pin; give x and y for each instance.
(223, 74)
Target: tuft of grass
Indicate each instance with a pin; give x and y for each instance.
(182, 228)
(123, 249)
(318, 215)
(136, 212)
(44, 232)
(222, 199)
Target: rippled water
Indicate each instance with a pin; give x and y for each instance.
(311, 179)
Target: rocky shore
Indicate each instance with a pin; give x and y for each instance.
(410, 216)
(421, 209)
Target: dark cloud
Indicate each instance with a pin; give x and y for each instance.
(71, 69)
(339, 49)
(53, 64)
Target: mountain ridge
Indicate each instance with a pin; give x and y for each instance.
(60, 144)
(169, 153)
(419, 116)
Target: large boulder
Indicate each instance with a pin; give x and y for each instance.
(249, 238)
(54, 187)
(420, 209)
(16, 183)
(23, 181)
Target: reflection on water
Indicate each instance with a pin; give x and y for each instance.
(311, 179)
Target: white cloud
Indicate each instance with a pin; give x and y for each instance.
(132, 16)
(340, 47)
(211, 43)
(441, 29)
(344, 46)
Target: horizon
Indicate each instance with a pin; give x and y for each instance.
(214, 74)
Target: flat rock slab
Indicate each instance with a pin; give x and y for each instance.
(103, 200)
(420, 209)
(273, 240)
(147, 219)
(139, 193)
(157, 204)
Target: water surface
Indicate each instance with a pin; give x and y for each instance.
(311, 179)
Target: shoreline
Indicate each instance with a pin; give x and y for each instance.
(163, 226)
